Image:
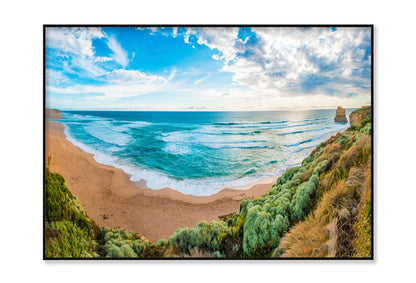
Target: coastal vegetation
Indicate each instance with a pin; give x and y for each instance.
(68, 230)
(322, 208)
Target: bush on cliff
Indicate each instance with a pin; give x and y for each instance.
(204, 237)
(68, 231)
(338, 223)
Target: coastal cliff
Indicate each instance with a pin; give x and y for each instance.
(53, 114)
(322, 208)
(358, 117)
(338, 223)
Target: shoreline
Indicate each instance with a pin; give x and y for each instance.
(112, 200)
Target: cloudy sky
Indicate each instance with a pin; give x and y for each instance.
(207, 68)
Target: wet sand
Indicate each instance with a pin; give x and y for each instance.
(112, 200)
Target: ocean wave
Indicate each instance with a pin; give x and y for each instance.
(157, 180)
(300, 149)
(316, 119)
(126, 126)
(177, 149)
(75, 142)
(100, 130)
(213, 141)
(250, 124)
(305, 131)
(82, 118)
(218, 145)
(317, 138)
(203, 138)
(299, 143)
(198, 187)
(220, 131)
(153, 151)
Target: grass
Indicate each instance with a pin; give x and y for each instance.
(68, 231)
(340, 223)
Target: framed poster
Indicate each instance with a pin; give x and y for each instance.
(208, 142)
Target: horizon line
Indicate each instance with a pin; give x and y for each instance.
(189, 110)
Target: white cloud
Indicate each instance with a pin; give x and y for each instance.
(73, 40)
(120, 83)
(119, 54)
(288, 61)
(186, 38)
(153, 30)
(243, 100)
(198, 81)
(133, 77)
(221, 38)
(87, 64)
(103, 59)
(75, 45)
(174, 32)
(172, 74)
(54, 77)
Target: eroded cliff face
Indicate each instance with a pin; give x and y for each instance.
(53, 114)
(340, 115)
(357, 117)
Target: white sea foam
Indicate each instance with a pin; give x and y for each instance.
(254, 144)
(128, 125)
(213, 141)
(75, 142)
(177, 149)
(78, 117)
(118, 134)
(156, 180)
(102, 131)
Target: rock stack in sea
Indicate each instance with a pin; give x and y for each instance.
(340, 115)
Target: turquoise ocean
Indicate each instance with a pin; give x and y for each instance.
(200, 153)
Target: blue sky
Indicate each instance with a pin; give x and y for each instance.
(207, 68)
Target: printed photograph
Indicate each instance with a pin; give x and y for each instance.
(208, 142)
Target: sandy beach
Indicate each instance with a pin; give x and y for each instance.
(112, 200)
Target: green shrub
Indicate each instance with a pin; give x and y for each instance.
(367, 129)
(123, 243)
(238, 228)
(68, 232)
(203, 236)
(139, 247)
(257, 230)
(72, 241)
(366, 120)
(302, 198)
(287, 176)
(161, 243)
(114, 252)
(127, 251)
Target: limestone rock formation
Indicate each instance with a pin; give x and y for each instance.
(340, 115)
(53, 114)
(357, 117)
